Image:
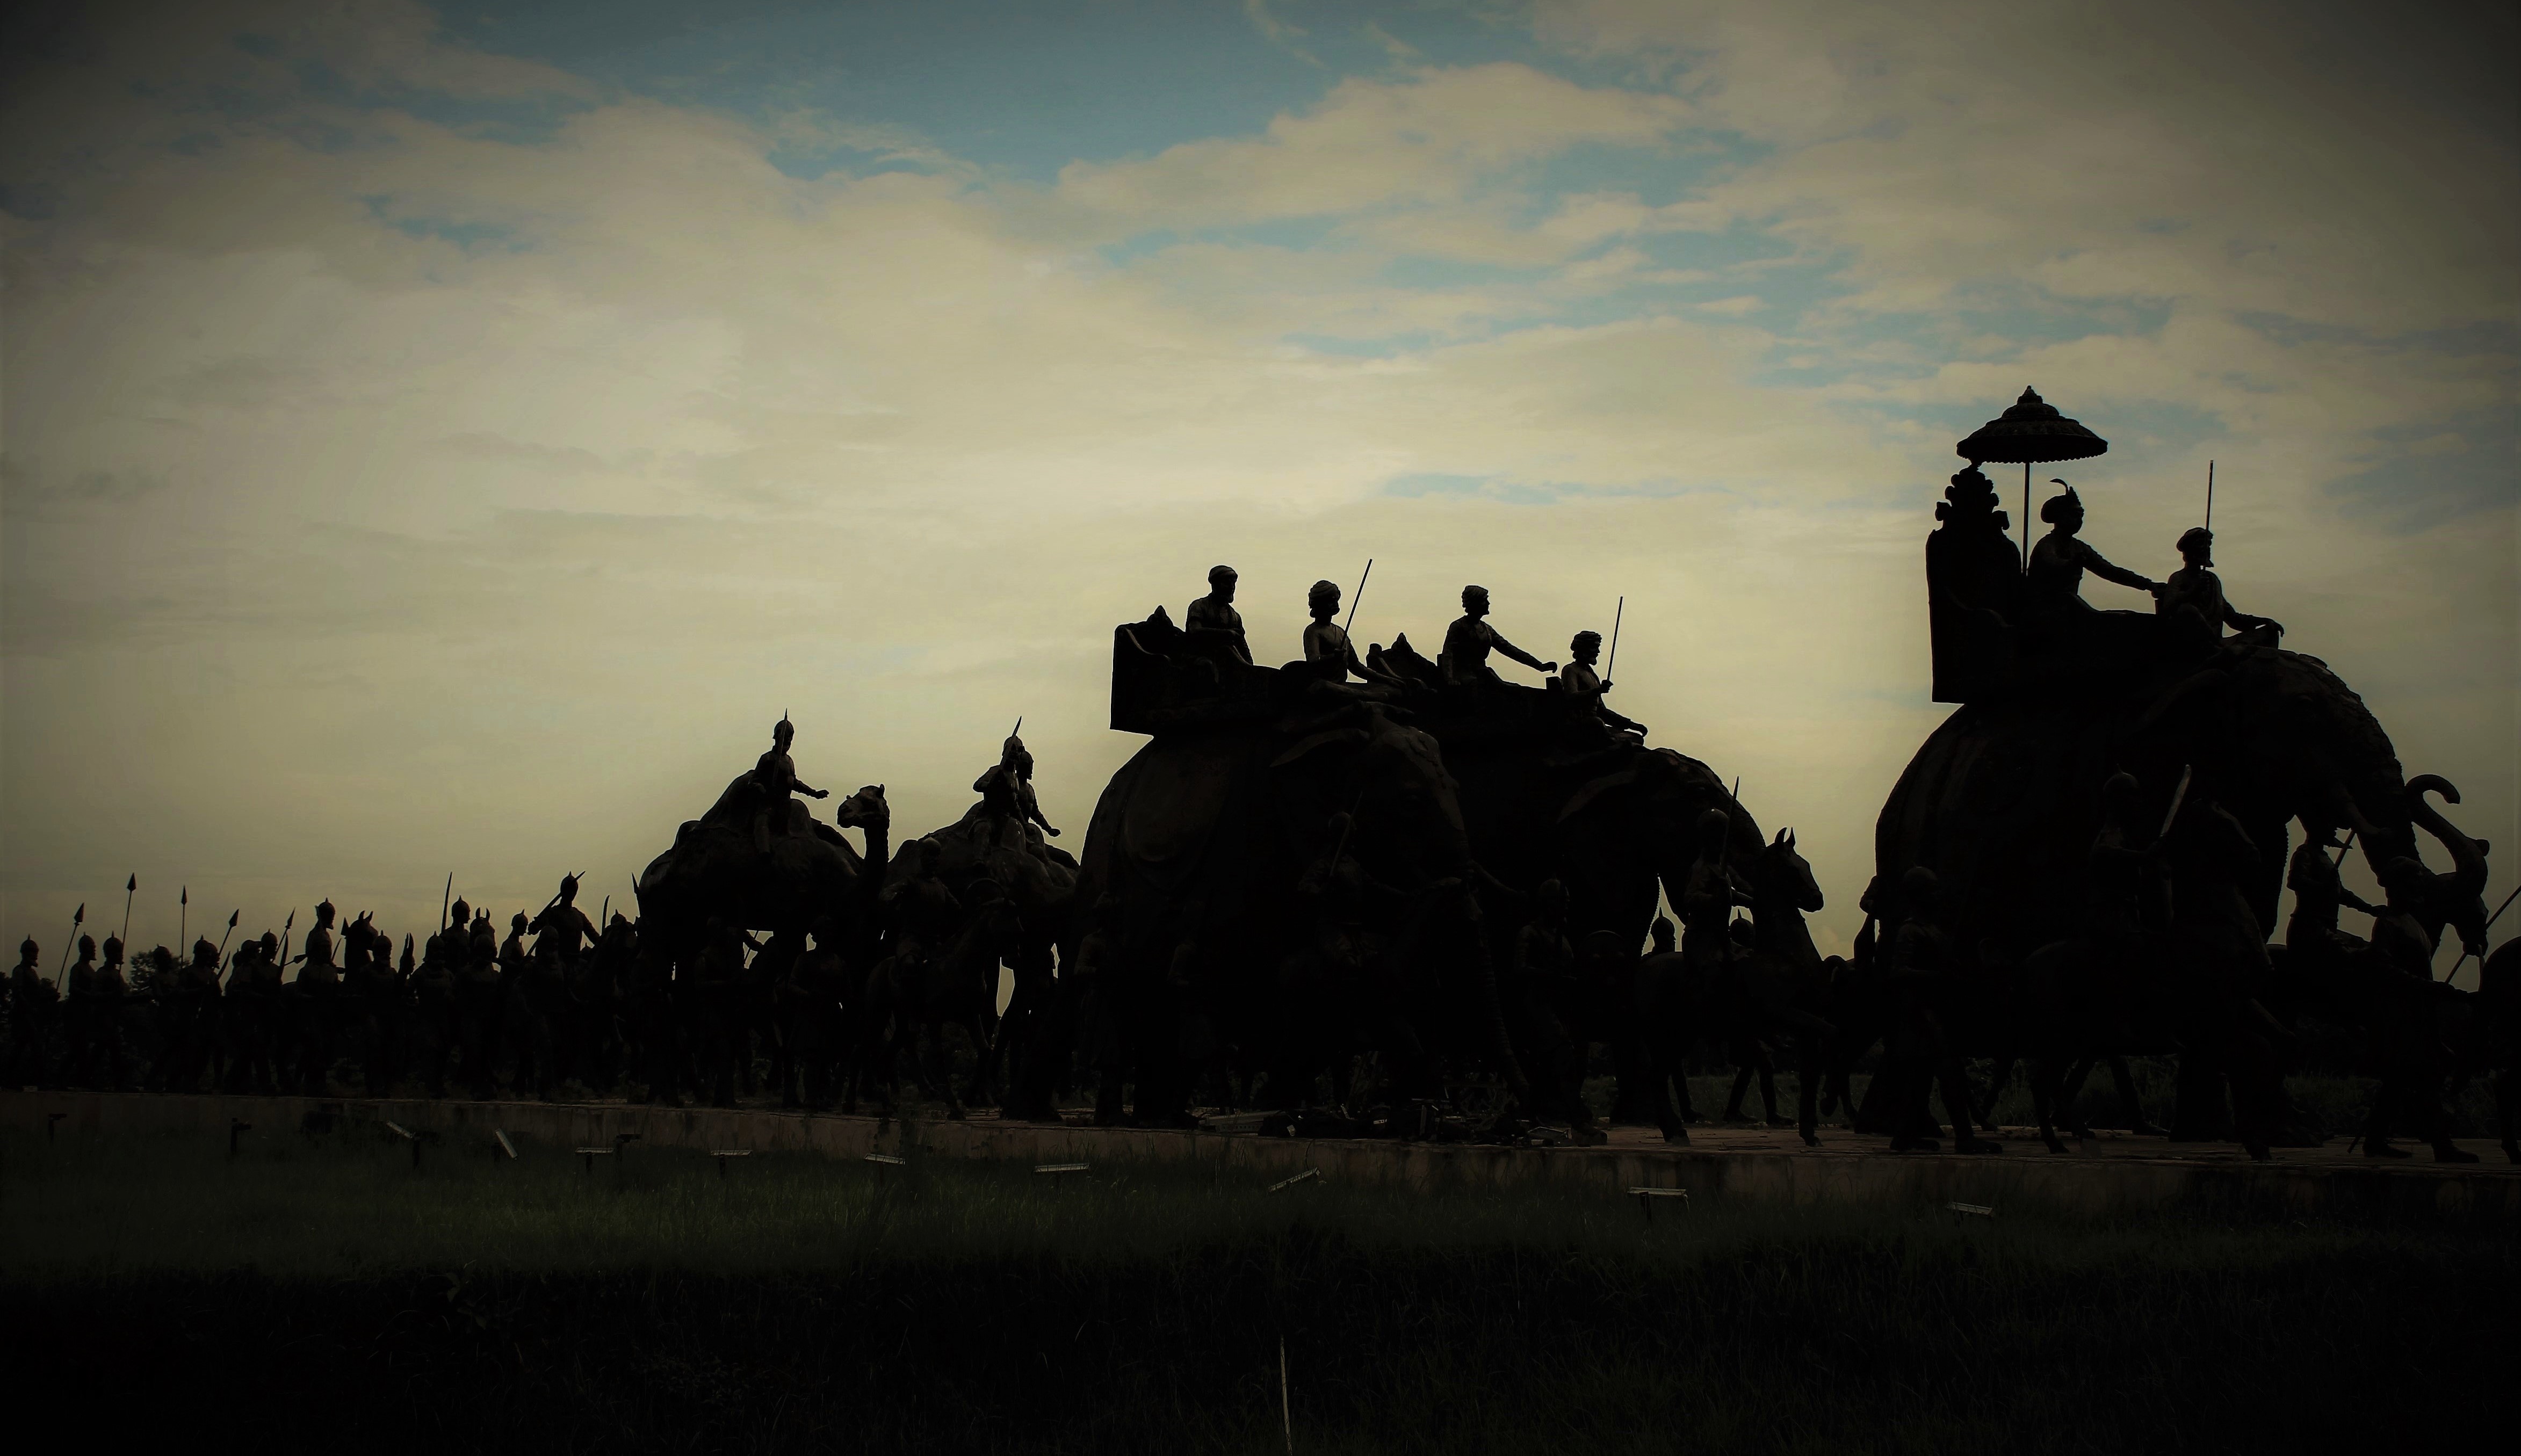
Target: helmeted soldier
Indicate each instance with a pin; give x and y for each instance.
(774, 778)
(1710, 891)
(921, 908)
(1588, 686)
(1470, 639)
(1213, 626)
(2318, 893)
(1007, 796)
(318, 955)
(32, 1001)
(2053, 584)
(2193, 598)
(1543, 983)
(1326, 643)
(1923, 978)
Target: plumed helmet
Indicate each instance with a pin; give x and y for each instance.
(88, 945)
(28, 949)
(2055, 507)
(204, 950)
(2197, 538)
(783, 728)
(113, 947)
(517, 921)
(324, 909)
(568, 885)
(461, 912)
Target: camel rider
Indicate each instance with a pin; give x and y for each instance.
(1213, 626)
(1588, 685)
(1007, 796)
(563, 928)
(1470, 639)
(2195, 589)
(2053, 586)
(1326, 645)
(1708, 894)
(774, 775)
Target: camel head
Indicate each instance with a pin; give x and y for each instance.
(864, 810)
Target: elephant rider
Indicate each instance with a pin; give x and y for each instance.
(774, 776)
(1543, 989)
(1213, 625)
(1709, 893)
(1007, 797)
(1580, 679)
(1470, 639)
(2193, 598)
(922, 908)
(1326, 645)
(2053, 584)
(1924, 980)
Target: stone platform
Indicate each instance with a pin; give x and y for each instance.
(2109, 1175)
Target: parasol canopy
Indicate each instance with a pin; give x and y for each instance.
(2030, 431)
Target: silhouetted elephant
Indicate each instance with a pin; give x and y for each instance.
(1299, 860)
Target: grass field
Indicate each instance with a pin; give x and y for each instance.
(325, 1289)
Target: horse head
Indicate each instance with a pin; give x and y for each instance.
(1782, 874)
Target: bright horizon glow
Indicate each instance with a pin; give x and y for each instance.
(443, 440)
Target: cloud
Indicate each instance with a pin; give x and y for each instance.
(504, 555)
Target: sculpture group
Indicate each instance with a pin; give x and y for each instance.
(1381, 895)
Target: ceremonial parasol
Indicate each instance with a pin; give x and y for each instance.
(2031, 432)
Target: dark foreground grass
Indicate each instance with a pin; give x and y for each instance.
(326, 1291)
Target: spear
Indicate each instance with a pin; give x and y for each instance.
(2210, 495)
(445, 899)
(1359, 597)
(2178, 796)
(2481, 934)
(183, 913)
(233, 917)
(79, 918)
(2342, 849)
(1620, 611)
(285, 928)
(130, 888)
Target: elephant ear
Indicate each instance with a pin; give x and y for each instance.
(1583, 798)
(1323, 740)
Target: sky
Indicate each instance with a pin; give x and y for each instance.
(445, 440)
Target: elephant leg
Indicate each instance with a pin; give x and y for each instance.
(2507, 1109)
(2134, 1104)
(2066, 1103)
(1956, 1105)
(1995, 1084)
(1808, 1064)
(1741, 1086)
(1768, 1066)
(2047, 1090)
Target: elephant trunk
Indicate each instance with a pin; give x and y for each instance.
(1490, 1009)
(2467, 879)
